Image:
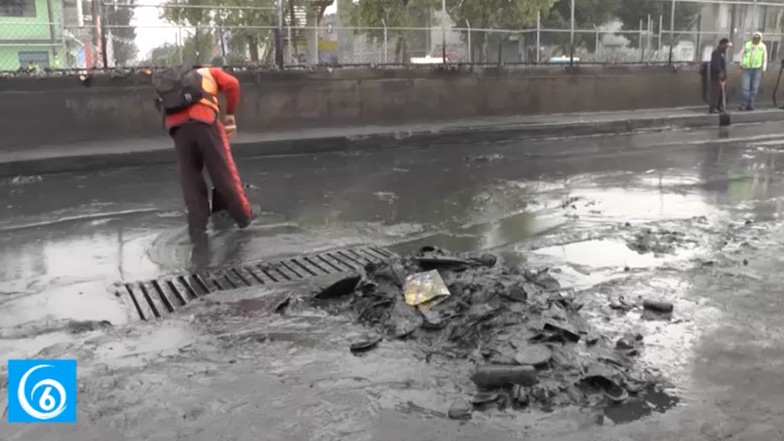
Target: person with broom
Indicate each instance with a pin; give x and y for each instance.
(188, 96)
(717, 74)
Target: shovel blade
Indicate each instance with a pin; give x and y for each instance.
(724, 119)
(217, 201)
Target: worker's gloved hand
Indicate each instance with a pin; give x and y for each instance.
(230, 125)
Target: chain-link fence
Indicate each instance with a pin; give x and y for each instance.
(83, 34)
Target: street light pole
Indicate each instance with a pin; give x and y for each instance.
(279, 37)
(571, 37)
(443, 31)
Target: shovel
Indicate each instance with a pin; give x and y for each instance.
(218, 203)
(724, 117)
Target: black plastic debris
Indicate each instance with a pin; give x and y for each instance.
(537, 356)
(524, 331)
(493, 376)
(80, 326)
(460, 410)
(428, 263)
(280, 308)
(392, 272)
(365, 343)
(562, 330)
(658, 306)
(517, 292)
(629, 342)
(621, 305)
(404, 320)
(341, 288)
(519, 395)
(482, 398)
(486, 259)
(543, 279)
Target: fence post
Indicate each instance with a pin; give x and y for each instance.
(64, 55)
(316, 40)
(386, 38)
(102, 29)
(754, 27)
(538, 35)
(289, 44)
(443, 31)
(661, 22)
(571, 36)
(279, 37)
(470, 49)
(640, 45)
(672, 31)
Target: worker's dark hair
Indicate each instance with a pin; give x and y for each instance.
(724, 41)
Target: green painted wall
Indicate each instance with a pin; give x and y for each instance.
(42, 33)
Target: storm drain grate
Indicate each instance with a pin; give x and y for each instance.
(157, 298)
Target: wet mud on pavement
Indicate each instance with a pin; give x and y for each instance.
(697, 225)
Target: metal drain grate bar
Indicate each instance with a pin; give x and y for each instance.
(157, 298)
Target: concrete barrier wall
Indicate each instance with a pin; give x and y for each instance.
(51, 111)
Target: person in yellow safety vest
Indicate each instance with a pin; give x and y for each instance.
(754, 62)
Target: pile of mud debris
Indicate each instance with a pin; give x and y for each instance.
(524, 332)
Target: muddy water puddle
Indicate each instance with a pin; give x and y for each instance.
(556, 228)
(607, 253)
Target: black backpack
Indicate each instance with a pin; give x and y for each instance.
(177, 88)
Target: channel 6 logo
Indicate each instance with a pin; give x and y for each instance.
(41, 391)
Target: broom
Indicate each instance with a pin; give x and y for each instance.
(724, 117)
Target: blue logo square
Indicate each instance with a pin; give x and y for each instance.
(41, 391)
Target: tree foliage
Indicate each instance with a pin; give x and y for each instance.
(170, 54)
(631, 12)
(495, 14)
(248, 27)
(588, 14)
(372, 16)
(247, 23)
(119, 17)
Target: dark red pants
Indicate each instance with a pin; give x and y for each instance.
(202, 145)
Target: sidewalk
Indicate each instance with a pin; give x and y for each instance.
(134, 152)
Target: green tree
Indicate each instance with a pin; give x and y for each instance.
(314, 12)
(631, 12)
(166, 55)
(171, 54)
(494, 14)
(247, 24)
(196, 14)
(248, 28)
(371, 16)
(123, 34)
(588, 14)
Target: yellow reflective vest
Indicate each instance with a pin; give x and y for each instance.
(753, 56)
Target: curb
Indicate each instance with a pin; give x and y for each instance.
(381, 141)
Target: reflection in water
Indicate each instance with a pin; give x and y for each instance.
(641, 204)
(647, 403)
(602, 254)
(499, 232)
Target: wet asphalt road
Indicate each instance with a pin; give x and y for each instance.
(233, 370)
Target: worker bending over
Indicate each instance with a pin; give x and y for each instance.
(189, 98)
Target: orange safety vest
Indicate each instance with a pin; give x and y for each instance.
(210, 86)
